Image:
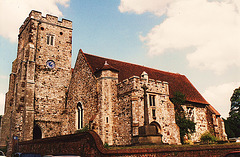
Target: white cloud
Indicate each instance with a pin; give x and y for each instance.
(157, 7)
(219, 97)
(2, 103)
(211, 28)
(13, 13)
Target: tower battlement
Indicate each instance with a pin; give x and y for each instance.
(136, 83)
(50, 19)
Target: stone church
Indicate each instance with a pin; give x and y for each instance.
(47, 98)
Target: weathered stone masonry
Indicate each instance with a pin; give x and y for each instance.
(83, 89)
(163, 116)
(37, 93)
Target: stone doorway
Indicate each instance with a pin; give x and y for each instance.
(37, 132)
(157, 126)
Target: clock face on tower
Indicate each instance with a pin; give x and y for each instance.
(50, 64)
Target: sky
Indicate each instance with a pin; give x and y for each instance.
(197, 38)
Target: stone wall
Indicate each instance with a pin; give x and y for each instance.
(199, 117)
(123, 120)
(107, 100)
(161, 114)
(221, 127)
(216, 125)
(89, 144)
(211, 118)
(51, 84)
(83, 89)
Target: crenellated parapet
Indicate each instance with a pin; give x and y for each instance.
(50, 19)
(135, 83)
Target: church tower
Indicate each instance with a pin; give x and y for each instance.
(35, 102)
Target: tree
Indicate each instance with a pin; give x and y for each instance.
(229, 128)
(233, 121)
(235, 104)
(185, 125)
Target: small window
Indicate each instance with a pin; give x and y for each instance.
(106, 119)
(153, 113)
(22, 99)
(152, 100)
(50, 39)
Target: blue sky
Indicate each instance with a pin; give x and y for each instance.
(197, 38)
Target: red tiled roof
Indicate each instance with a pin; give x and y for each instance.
(176, 82)
(213, 110)
(107, 66)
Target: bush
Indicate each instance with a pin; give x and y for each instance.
(106, 145)
(84, 129)
(207, 137)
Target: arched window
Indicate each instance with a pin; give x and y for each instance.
(79, 116)
(37, 132)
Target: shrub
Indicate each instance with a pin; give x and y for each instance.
(106, 145)
(84, 129)
(207, 137)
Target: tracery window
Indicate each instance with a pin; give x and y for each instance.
(152, 105)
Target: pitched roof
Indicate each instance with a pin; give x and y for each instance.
(176, 82)
(107, 66)
(213, 110)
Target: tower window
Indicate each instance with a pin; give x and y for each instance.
(79, 116)
(152, 100)
(50, 39)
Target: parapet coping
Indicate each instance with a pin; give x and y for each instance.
(137, 77)
(29, 18)
(119, 152)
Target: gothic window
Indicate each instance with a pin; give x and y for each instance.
(50, 39)
(79, 116)
(152, 105)
(152, 100)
